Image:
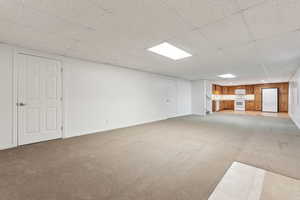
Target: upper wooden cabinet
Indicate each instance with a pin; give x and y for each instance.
(249, 89)
(217, 89)
(231, 90)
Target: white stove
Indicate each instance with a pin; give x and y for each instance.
(240, 105)
(240, 100)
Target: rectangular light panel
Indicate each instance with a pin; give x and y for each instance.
(227, 76)
(169, 51)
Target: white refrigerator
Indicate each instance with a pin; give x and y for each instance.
(270, 99)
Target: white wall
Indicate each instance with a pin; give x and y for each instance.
(6, 98)
(198, 97)
(201, 97)
(100, 97)
(208, 94)
(184, 97)
(294, 98)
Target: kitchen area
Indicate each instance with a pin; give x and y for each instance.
(266, 97)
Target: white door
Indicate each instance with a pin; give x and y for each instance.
(39, 99)
(171, 100)
(270, 100)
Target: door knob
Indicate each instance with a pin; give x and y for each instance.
(21, 104)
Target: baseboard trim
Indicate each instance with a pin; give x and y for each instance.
(183, 115)
(7, 147)
(199, 114)
(115, 128)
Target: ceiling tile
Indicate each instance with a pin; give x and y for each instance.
(244, 4)
(116, 6)
(11, 10)
(36, 19)
(155, 23)
(290, 13)
(32, 39)
(93, 52)
(202, 12)
(244, 56)
(273, 18)
(280, 49)
(276, 70)
(67, 9)
(193, 42)
(88, 19)
(44, 22)
(229, 32)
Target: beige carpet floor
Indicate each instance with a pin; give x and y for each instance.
(177, 159)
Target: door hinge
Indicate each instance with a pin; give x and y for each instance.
(61, 98)
(61, 128)
(62, 69)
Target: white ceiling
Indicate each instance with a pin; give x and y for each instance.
(253, 39)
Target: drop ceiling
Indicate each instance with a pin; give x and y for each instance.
(254, 39)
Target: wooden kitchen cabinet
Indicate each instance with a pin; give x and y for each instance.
(250, 106)
(228, 105)
(249, 89)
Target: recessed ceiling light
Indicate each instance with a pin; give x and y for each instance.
(170, 51)
(227, 76)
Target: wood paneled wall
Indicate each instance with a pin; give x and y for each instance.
(255, 105)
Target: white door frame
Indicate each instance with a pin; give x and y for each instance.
(17, 51)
